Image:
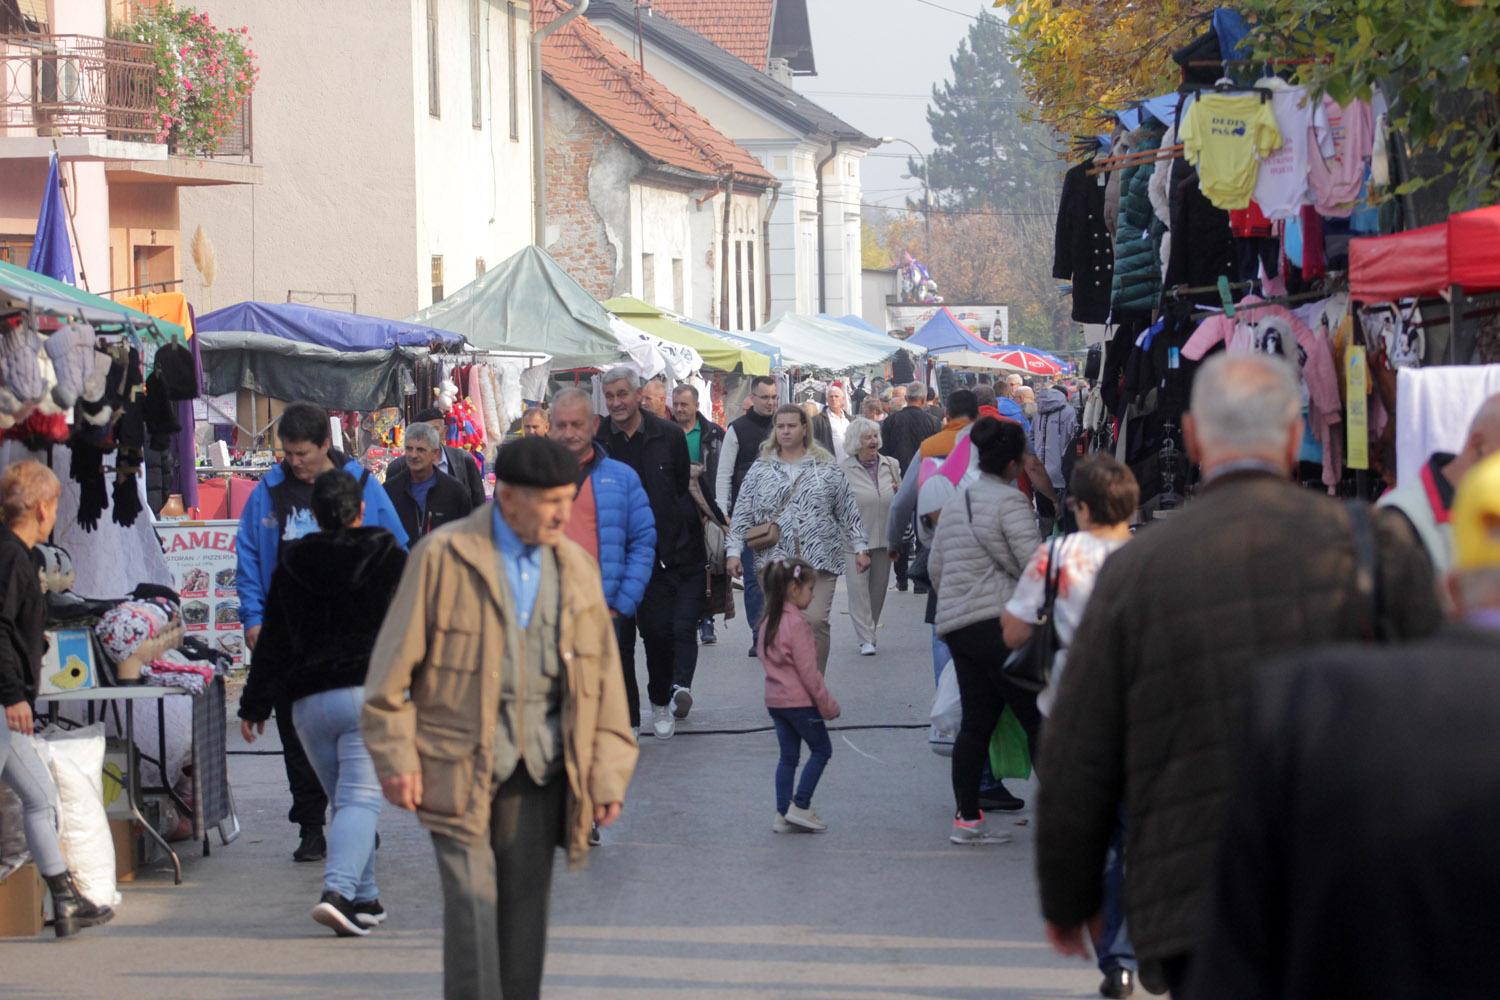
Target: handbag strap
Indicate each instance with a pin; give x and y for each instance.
(1054, 576)
(1366, 571)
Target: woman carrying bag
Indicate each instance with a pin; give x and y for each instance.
(985, 537)
(874, 479)
(795, 503)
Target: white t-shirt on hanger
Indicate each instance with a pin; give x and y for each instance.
(1281, 188)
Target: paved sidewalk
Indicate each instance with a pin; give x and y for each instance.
(690, 896)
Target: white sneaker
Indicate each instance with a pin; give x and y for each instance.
(682, 702)
(662, 723)
(867, 649)
(780, 825)
(805, 818)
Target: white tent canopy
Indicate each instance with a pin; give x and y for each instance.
(828, 345)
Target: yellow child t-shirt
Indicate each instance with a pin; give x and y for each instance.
(1225, 136)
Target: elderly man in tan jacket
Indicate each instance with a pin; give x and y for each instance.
(495, 708)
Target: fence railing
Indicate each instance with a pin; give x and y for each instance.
(53, 85)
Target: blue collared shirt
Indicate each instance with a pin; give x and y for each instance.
(523, 568)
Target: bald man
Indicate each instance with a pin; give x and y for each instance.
(1425, 500)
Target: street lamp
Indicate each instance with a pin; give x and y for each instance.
(926, 192)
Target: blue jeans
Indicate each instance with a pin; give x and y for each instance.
(1113, 945)
(755, 601)
(22, 769)
(794, 727)
(328, 725)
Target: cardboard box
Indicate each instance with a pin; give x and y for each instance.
(123, 833)
(21, 896)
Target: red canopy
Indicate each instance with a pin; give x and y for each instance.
(1464, 251)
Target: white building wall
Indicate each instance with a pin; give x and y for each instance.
(473, 185)
(663, 260)
(336, 209)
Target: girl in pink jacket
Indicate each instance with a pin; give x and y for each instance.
(796, 696)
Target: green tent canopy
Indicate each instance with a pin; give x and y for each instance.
(21, 287)
(529, 303)
(716, 353)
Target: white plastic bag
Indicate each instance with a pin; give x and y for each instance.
(76, 758)
(947, 712)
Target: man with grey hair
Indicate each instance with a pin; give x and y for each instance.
(1151, 709)
(668, 615)
(425, 497)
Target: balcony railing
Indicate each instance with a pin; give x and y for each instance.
(235, 142)
(55, 85)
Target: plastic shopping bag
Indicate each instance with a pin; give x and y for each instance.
(947, 713)
(1010, 753)
(76, 758)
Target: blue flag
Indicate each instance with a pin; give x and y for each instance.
(51, 253)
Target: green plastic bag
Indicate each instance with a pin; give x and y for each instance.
(1010, 754)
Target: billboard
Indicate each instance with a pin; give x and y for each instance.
(988, 321)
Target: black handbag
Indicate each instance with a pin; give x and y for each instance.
(1030, 667)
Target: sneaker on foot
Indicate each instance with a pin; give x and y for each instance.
(780, 825)
(805, 818)
(751, 654)
(662, 723)
(974, 831)
(338, 913)
(369, 912)
(999, 798)
(312, 847)
(682, 702)
(706, 632)
(867, 649)
(594, 838)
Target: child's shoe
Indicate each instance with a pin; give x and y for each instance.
(780, 825)
(975, 831)
(805, 818)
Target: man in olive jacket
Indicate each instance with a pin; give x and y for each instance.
(515, 738)
(1151, 711)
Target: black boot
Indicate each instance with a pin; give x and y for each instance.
(312, 846)
(71, 911)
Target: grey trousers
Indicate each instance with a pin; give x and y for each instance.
(496, 892)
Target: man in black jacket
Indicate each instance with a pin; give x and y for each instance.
(1324, 889)
(1151, 709)
(452, 461)
(668, 615)
(741, 448)
(425, 497)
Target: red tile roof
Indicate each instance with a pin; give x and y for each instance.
(740, 27)
(599, 75)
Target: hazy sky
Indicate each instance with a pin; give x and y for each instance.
(877, 61)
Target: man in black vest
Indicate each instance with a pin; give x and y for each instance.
(739, 451)
(669, 612)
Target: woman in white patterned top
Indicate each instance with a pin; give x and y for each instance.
(798, 485)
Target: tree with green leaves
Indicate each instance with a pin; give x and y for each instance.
(988, 153)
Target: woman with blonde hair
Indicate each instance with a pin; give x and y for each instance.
(874, 479)
(28, 510)
(799, 505)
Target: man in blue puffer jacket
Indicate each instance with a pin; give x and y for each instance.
(611, 519)
(280, 510)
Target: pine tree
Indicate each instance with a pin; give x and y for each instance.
(987, 155)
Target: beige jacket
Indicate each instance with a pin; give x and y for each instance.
(977, 560)
(873, 496)
(441, 642)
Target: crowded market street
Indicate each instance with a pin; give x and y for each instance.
(691, 895)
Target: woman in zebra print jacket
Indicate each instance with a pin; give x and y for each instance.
(797, 484)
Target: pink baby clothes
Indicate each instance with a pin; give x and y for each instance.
(1336, 181)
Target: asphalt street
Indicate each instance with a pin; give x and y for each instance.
(691, 894)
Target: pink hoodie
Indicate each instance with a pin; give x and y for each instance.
(791, 665)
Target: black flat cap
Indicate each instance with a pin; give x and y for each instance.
(536, 461)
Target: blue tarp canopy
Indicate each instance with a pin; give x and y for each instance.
(338, 331)
(944, 332)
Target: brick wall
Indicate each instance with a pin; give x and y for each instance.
(574, 139)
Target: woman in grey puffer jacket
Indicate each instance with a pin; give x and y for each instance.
(984, 538)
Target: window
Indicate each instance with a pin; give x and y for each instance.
(434, 103)
(476, 64)
(479, 267)
(437, 278)
(515, 89)
(679, 292)
(648, 277)
(15, 248)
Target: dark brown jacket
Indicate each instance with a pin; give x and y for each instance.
(1151, 710)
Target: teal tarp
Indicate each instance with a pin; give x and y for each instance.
(529, 303)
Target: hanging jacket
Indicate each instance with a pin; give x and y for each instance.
(1137, 278)
(1084, 252)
